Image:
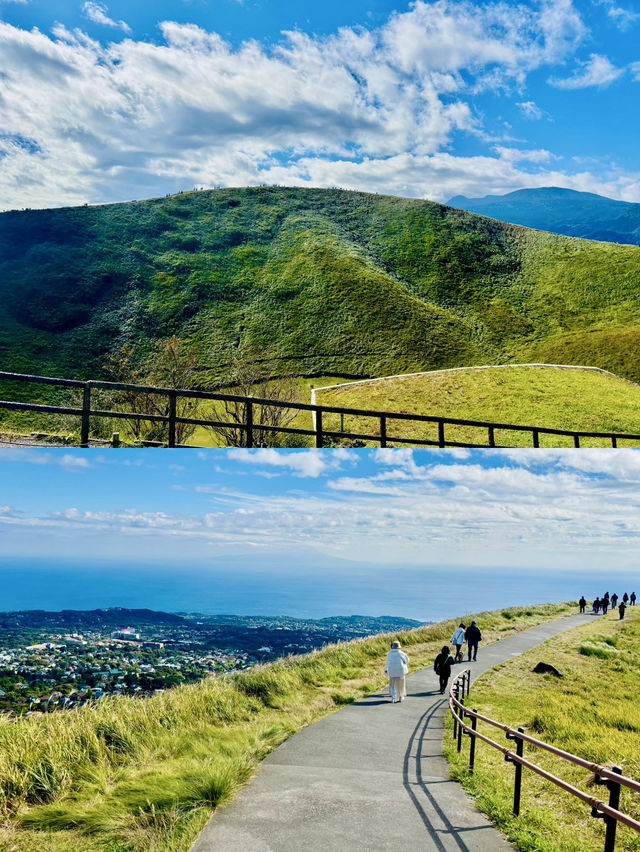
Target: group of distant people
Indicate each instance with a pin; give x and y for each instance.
(397, 667)
(601, 605)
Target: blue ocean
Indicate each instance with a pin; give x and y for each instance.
(252, 587)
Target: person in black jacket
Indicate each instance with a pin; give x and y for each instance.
(583, 604)
(442, 667)
(472, 636)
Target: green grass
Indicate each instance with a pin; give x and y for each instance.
(327, 282)
(135, 775)
(592, 712)
(543, 396)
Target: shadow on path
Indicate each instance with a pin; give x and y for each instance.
(417, 739)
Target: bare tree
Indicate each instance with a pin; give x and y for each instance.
(172, 364)
(247, 380)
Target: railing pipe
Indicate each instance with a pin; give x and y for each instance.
(612, 778)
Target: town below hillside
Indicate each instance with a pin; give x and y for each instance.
(60, 660)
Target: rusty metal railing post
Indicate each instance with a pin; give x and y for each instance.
(517, 787)
(614, 802)
(318, 424)
(173, 402)
(249, 423)
(383, 431)
(86, 415)
(472, 745)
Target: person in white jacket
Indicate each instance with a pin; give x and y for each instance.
(458, 640)
(397, 668)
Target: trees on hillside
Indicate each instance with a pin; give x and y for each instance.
(171, 364)
(174, 364)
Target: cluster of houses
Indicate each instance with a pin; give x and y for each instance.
(76, 669)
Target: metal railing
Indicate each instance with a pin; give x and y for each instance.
(251, 423)
(612, 778)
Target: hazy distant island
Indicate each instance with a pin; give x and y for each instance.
(59, 660)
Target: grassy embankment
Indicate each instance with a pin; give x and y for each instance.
(529, 396)
(308, 283)
(136, 775)
(592, 712)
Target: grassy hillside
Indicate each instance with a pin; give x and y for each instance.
(592, 712)
(132, 775)
(546, 396)
(308, 282)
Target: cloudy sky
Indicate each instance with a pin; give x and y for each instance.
(121, 99)
(546, 510)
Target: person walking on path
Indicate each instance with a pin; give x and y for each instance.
(622, 609)
(583, 604)
(614, 600)
(625, 599)
(605, 603)
(396, 669)
(442, 667)
(596, 606)
(632, 599)
(458, 641)
(473, 636)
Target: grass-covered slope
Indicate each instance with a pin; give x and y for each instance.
(136, 775)
(320, 281)
(592, 712)
(559, 398)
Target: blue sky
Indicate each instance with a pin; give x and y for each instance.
(546, 510)
(105, 101)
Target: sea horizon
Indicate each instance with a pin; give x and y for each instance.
(420, 593)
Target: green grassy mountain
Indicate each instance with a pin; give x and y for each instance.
(563, 211)
(313, 281)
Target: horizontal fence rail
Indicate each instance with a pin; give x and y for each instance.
(612, 778)
(251, 423)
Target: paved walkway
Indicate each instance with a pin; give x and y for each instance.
(370, 777)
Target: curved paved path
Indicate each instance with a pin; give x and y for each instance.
(369, 777)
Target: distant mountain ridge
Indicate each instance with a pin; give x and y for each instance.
(560, 211)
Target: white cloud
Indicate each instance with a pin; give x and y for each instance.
(71, 461)
(368, 109)
(75, 461)
(543, 507)
(97, 13)
(596, 71)
(623, 18)
(530, 110)
(516, 155)
(310, 463)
